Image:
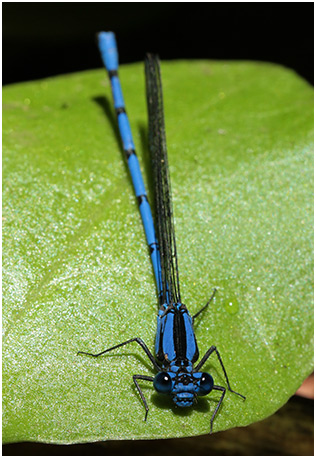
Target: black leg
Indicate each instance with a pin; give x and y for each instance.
(219, 388)
(206, 305)
(142, 377)
(206, 356)
(136, 339)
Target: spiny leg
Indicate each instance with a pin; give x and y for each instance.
(219, 388)
(206, 305)
(204, 359)
(136, 339)
(142, 377)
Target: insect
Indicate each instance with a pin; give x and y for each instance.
(176, 350)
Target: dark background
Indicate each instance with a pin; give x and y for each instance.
(45, 39)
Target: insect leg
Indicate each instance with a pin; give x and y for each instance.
(219, 388)
(206, 305)
(142, 377)
(136, 339)
(204, 359)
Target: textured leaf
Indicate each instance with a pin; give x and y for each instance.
(77, 273)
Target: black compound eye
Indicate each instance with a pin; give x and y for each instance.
(163, 383)
(206, 384)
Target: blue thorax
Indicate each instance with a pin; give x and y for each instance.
(177, 351)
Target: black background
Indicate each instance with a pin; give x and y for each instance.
(45, 39)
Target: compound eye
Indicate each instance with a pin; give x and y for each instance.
(163, 383)
(206, 384)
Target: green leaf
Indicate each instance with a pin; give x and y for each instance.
(77, 273)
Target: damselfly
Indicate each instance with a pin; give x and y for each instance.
(176, 349)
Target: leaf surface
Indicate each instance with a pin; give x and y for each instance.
(77, 273)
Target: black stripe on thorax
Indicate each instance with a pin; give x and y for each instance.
(179, 335)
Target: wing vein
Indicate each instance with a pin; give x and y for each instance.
(164, 212)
